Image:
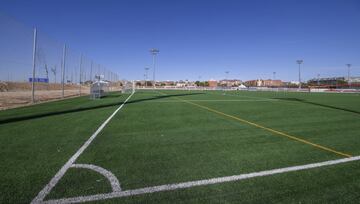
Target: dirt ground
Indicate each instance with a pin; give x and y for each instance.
(13, 99)
(17, 94)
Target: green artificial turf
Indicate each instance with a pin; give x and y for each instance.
(36, 141)
(157, 139)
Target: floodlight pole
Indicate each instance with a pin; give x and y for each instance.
(34, 67)
(91, 68)
(146, 72)
(299, 62)
(63, 70)
(154, 52)
(272, 83)
(199, 81)
(318, 80)
(348, 66)
(227, 76)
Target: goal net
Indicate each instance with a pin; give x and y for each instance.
(128, 87)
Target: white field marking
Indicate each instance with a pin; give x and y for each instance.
(205, 100)
(227, 94)
(114, 182)
(46, 190)
(169, 187)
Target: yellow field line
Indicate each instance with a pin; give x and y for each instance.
(268, 129)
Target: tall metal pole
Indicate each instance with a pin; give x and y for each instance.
(299, 62)
(154, 71)
(63, 70)
(226, 77)
(348, 66)
(91, 68)
(154, 52)
(272, 82)
(80, 73)
(146, 72)
(34, 66)
(318, 80)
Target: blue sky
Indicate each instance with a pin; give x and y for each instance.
(250, 39)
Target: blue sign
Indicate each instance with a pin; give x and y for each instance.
(40, 80)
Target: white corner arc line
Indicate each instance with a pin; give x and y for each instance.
(114, 182)
(169, 187)
(46, 190)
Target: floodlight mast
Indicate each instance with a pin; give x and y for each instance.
(348, 66)
(154, 52)
(146, 73)
(272, 82)
(226, 77)
(299, 62)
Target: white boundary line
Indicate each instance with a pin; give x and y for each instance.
(215, 100)
(169, 187)
(46, 190)
(238, 95)
(114, 182)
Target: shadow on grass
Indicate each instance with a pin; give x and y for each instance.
(318, 104)
(43, 115)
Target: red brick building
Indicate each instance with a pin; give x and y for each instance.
(213, 83)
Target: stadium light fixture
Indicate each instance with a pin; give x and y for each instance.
(154, 52)
(299, 62)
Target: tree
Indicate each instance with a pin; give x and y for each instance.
(47, 71)
(53, 70)
(149, 83)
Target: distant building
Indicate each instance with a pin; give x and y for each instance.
(353, 80)
(168, 83)
(180, 84)
(251, 83)
(230, 82)
(272, 83)
(331, 81)
(264, 83)
(213, 83)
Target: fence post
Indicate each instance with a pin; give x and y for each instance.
(63, 70)
(81, 56)
(34, 67)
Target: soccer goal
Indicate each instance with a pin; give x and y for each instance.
(128, 87)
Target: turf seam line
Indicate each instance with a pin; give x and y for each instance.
(46, 190)
(269, 129)
(204, 182)
(114, 182)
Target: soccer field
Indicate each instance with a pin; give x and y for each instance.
(183, 147)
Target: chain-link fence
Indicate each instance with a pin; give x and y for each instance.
(35, 68)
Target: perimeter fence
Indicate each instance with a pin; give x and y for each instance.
(34, 67)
